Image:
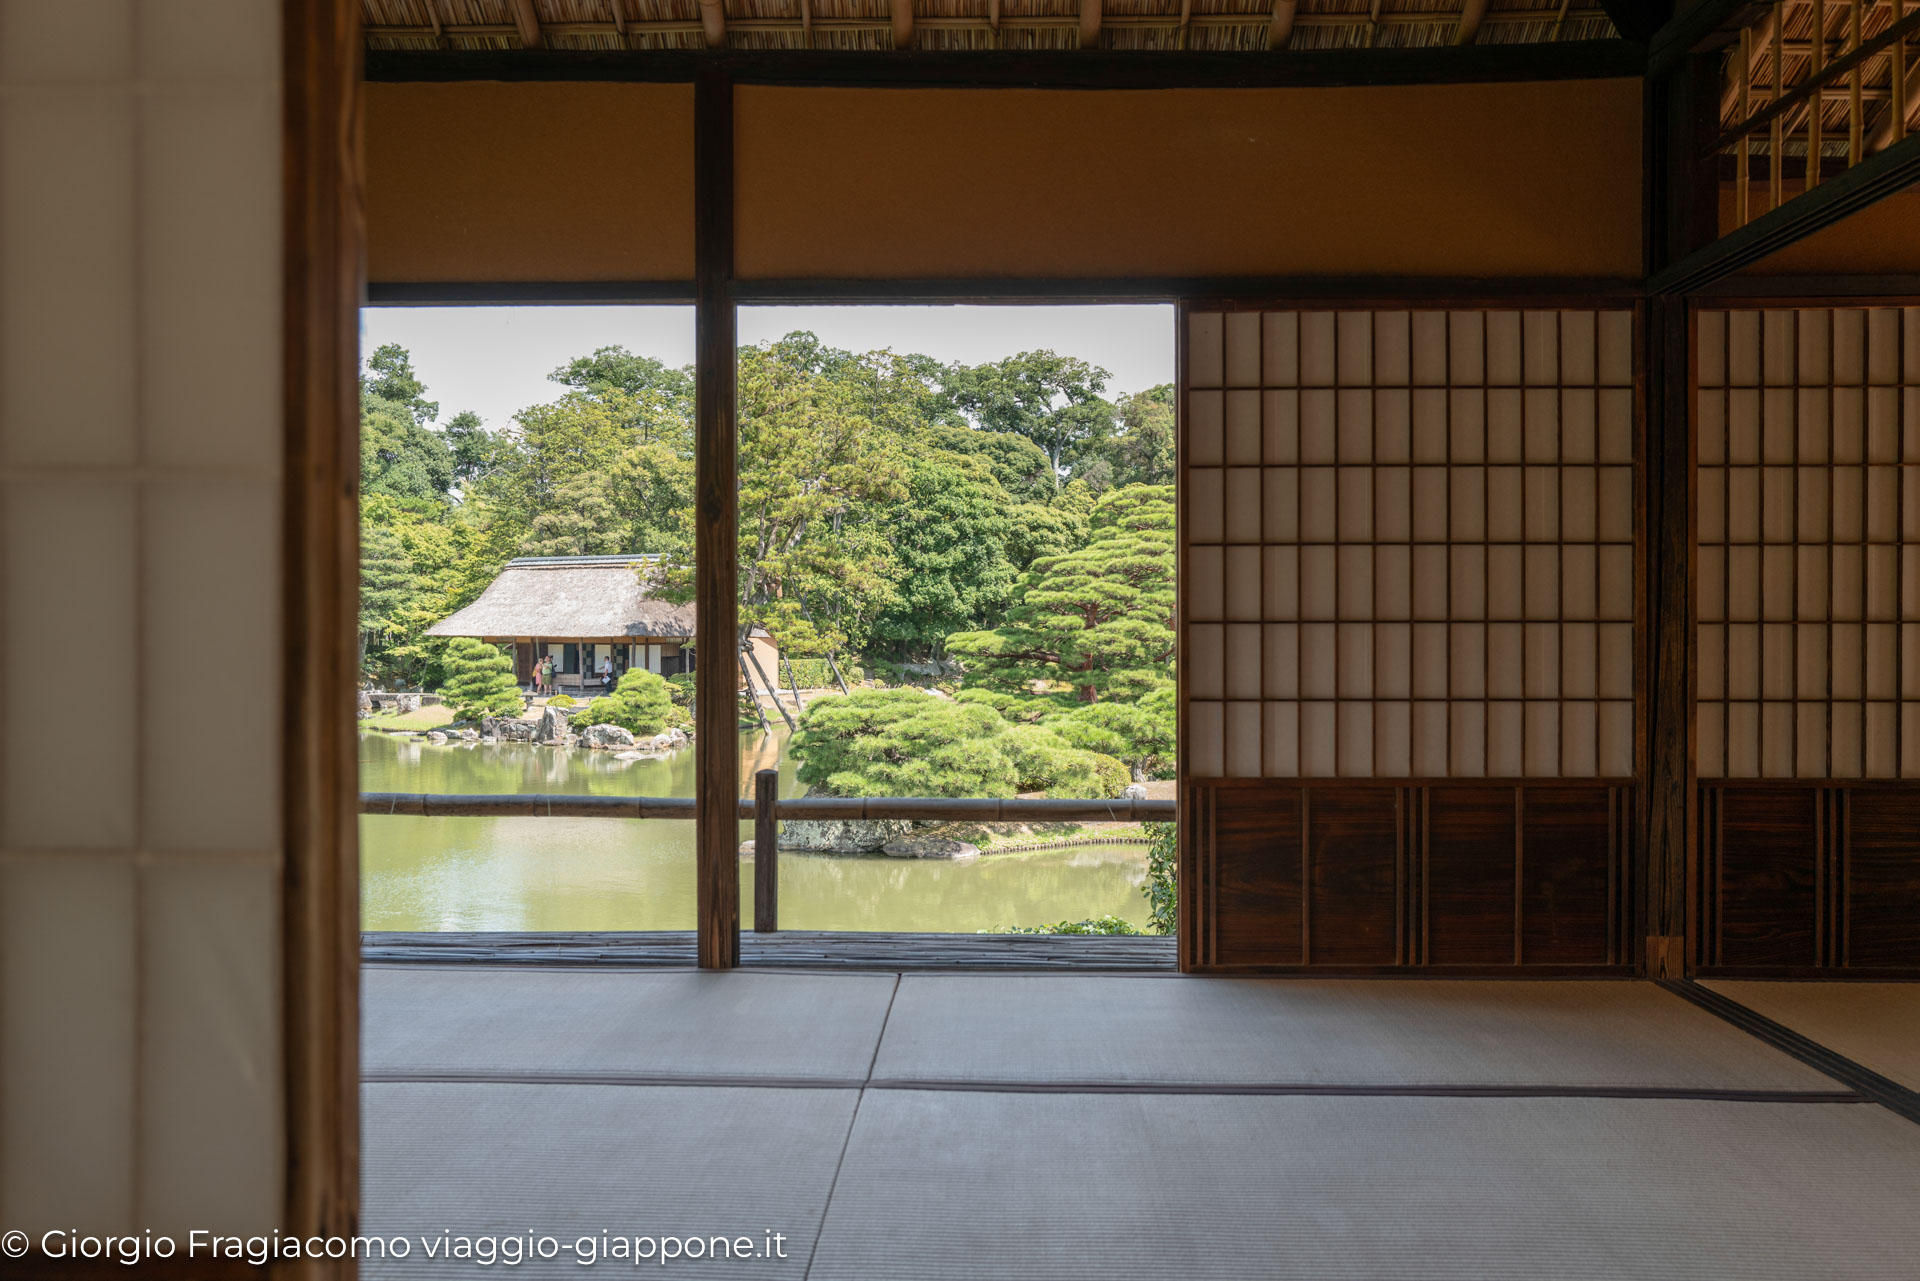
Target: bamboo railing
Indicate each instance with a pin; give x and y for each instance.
(766, 809)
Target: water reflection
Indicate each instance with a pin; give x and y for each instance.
(618, 874)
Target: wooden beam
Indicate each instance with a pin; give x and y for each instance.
(1667, 853)
(713, 23)
(1047, 69)
(322, 274)
(1090, 24)
(1472, 13)
(1280, 26)
(1761, 56)
(529, 24)
(716, 603)
(1892, 170)
(902, 14)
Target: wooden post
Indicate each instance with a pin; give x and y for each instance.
(773, 691)
(766, 852)
(766, 726)
(838, 678)
(716, 596)
(793, 683)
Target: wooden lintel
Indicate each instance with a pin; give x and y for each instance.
(1090, 24)
(529, 24)
(1042, 68)
(902, 13)
(1280, 27)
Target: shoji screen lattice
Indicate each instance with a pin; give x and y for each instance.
(1807, 439)
(1409, 543)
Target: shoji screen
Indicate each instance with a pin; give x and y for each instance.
(1807, 599)
(1409, 637)
(1410, 544)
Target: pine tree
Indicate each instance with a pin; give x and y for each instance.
(1098, 619)
(480, 681)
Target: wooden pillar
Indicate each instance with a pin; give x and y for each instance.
(716, 644)
(1682, 215)
(323, 273)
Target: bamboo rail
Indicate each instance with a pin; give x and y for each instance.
(1046, 810)
(765, 809)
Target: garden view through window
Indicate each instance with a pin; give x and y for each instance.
(956, 576)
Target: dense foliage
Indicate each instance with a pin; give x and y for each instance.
(1162, 887)
(641, 704)
(479, 681)
(892, 510)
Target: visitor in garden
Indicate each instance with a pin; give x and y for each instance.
(543, 675)
(606, 673)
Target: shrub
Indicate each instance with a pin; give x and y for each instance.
(562, 700)
(1141, 734)
(680, 686)
(639, 704)
(1046, 763)
(1097, 925)
(1162, 889)
(901, 742)
(480, 681)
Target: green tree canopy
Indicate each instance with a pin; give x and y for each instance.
(1052, 400)
(1098, 620)
(949, 537)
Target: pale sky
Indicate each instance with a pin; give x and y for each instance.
(495, 360)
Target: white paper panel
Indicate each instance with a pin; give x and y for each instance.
(1463, 615)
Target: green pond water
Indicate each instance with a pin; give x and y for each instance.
(625, 874)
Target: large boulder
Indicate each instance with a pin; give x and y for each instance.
(404, 703)
(553, 725)
(842, 835)
(1134, 792)
(436, 736)
(929, 847)
(506, 729)
(605, 736)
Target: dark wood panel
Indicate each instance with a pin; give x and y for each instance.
(1471, 840)
(1353, 851)
(1567, 882)
(1256, 876)
(1767, 872)
(1882, 878)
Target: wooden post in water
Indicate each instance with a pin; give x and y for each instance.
(766, 852)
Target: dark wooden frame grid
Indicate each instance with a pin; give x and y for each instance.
(1815, 876)
(1393, 819)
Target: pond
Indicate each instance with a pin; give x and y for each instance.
(625, 874)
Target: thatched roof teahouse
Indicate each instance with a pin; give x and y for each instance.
(582, 610)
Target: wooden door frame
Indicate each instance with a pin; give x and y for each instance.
(324, 283)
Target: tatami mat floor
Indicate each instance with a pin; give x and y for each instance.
(893, 1127)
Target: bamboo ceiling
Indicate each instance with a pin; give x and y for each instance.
(1839, 79)
(975, 24)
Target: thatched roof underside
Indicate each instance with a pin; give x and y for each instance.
(978, 24)
(570, 598)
